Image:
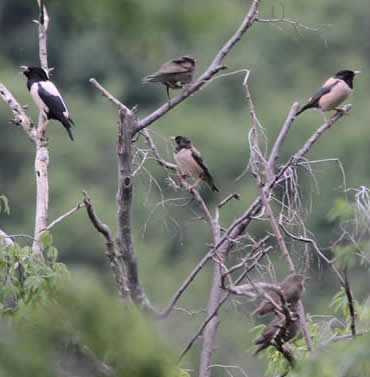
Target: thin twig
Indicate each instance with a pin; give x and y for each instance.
(222, 301)
(61, 218)
(155, 152)
(280, 139)
(111, 98)
(113, 255)
(20, 116)
(352, 313)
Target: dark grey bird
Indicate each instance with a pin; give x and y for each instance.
(47, 98)
(174, 74)
(292, 287)
(190, 163)
(276, 333)
(334, 91)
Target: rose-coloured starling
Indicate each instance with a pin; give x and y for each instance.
(334, 91)
(47, 98)
(190, 163)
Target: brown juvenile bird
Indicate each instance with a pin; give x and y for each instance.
(276, 333)
(334, 91)
(190, 163)
(174, 74)
(292, 287)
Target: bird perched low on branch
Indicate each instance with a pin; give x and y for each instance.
(190, 163)
(47, 98)
(174, 74)
(276, 333)
(334, 91)
(292, 288)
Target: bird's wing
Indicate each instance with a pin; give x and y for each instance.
(52, 98)
(328, 86)
(199, 160)
(174, 66)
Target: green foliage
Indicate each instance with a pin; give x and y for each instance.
(339, 304)
(342, 210)
(344, 358)
(4, 205)
(29, 280)
(79, 329)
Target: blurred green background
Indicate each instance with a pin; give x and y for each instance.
(120, 41)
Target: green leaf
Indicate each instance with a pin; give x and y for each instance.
(46, 239)
(4, 200)
(342, 211)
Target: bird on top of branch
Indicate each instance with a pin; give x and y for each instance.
(47, 98)
(334, 91)
(191, 164)
(174, 74)
(292, 287)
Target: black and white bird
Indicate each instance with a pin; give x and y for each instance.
(190, 163)
(47, 98)
(174, 74)
(334, 91)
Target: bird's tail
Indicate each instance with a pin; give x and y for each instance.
(154, 77)
(301, 110)
(212, 185)
(68, 123)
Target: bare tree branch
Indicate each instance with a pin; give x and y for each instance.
(7, 239)
(350, 302)
(280, 139)
(214, 68)
(20, 116)
(43, 23)
(61, 218)
(111, 98)
(217, 308)
(112, 254)
(126, 127)
(154, 150)
(42, 149)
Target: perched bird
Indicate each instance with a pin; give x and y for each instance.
(190, 163)
(276, 333)
(174, 74)
(47, 98)
(334, 91)
(292, 287)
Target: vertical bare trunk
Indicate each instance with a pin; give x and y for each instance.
(210, 330)
(42, 151)
(42, 190)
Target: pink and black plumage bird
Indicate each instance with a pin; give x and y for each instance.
(174, 74)
(191, 164)
(47, 98)
(334, 91)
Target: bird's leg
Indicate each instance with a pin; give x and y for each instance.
(41, 130)
(181, 177)
(168, 94)
(324, 117)
(195, 184)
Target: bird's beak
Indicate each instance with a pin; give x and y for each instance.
(23, 68)
(172, 137)
(357, 72)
